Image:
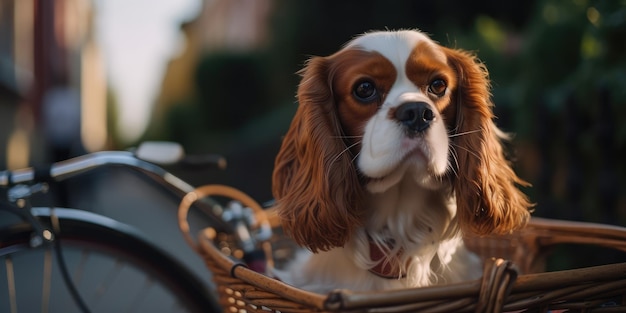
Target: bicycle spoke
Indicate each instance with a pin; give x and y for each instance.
(78, 272)
(11, 283)
(109, 278)
(47, 281)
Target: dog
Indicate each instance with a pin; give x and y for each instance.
(391, 156)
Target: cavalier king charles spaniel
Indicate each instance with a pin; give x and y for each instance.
(391, 156)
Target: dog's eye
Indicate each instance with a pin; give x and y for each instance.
(438, 87)
(365, 91)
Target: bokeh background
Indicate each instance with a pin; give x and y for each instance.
(218, 76)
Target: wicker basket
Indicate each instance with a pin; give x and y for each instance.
(502, 287)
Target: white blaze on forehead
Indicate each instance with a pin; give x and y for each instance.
(395, 46)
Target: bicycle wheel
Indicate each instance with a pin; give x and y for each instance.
(111, 266)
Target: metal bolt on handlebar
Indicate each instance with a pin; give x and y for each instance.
(37, 240)
(243, 218)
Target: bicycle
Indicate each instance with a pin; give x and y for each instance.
(104, 265)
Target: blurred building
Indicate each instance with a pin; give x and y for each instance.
(52, 82)
(221, 25)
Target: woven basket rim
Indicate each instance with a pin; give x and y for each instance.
(500, 288)
(344, 299)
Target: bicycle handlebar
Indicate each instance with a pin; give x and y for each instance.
(73, 167)
(62, 170)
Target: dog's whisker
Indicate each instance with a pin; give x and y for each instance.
(464, 133)
(346, 137)
(455, 158)
(356, 156)
(453, 170)
(468, 150)
(339, 155)
(348, 148)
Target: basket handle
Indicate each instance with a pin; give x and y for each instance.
(214, 190)
(549, 232)
(499, 275)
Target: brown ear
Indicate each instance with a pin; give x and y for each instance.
(315, 185)
(488, 200)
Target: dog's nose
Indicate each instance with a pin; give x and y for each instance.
(416, 116)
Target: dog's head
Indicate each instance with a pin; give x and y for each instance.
(387, 105)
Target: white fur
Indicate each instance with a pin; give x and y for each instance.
(405, 212)
(406, 202)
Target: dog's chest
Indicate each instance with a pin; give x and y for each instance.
(408, 203)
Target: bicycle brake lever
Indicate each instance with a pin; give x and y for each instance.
(18, 192)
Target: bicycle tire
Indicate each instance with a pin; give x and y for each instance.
(111, 243)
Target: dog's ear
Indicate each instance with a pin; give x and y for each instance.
(488, 199)
(315, 184)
